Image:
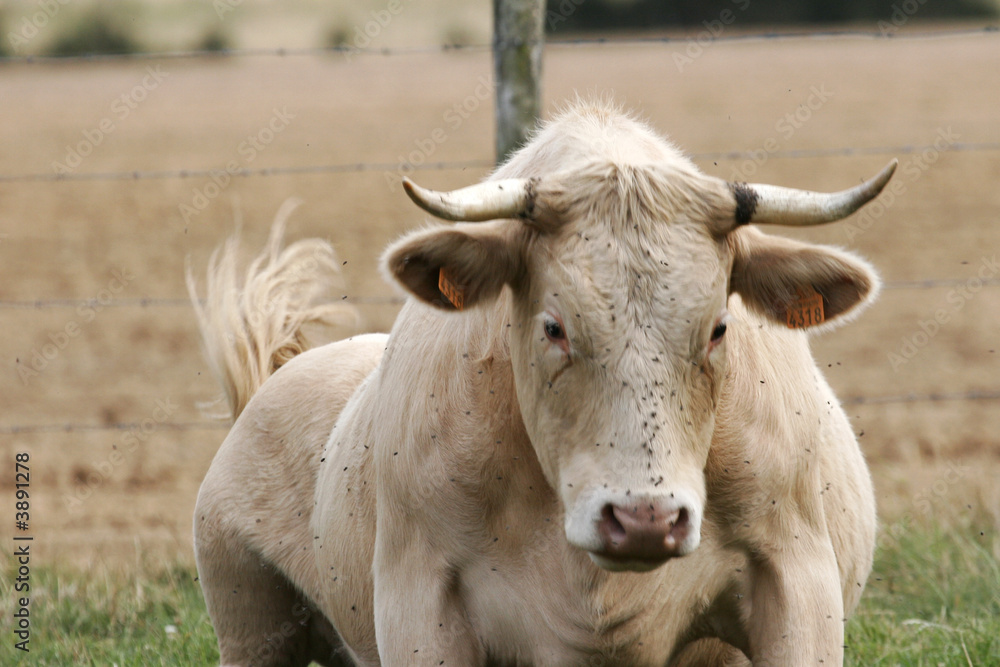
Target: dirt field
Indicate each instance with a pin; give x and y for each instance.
(104, 497)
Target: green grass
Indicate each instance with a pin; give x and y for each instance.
(110, 620)
(933, 599)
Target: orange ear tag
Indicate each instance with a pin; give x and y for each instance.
(806, 310)
(451, 291)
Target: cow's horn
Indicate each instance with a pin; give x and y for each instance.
(800, 208)
(492, 200)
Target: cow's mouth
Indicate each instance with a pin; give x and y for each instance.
(613, 563)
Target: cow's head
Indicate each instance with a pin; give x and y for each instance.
(620, 257)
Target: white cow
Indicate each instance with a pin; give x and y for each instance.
(595, 435)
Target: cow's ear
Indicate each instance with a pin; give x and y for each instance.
(799, 284)
(456, 267)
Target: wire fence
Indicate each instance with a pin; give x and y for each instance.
(359, 167)
(550, 43)
(184, 302)
(208, 425)
(169, 302)
(136, 175)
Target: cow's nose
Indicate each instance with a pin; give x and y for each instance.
(650, 531)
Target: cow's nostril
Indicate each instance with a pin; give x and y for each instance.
(648, 531)
(611, 528)
(679, 530)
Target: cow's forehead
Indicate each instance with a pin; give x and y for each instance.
(637, 233)
(656, 286)
(643, 230)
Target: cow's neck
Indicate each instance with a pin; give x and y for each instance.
(462, 366)
(461, 406)
(599, 595)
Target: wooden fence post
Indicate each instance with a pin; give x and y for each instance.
(518, 37)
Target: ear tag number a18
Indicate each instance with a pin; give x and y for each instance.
(451, 291)
(806, 310)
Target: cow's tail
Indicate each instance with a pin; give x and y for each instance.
(253, 322)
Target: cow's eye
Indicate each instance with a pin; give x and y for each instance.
(554, 331)
(719, 331)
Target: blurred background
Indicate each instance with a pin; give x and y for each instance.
(137, 136)
(70, 27)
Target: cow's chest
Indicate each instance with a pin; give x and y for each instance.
(534, 600)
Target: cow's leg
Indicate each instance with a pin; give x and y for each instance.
(419, 615)
(259, 618)
(794, 613)
(710, 652)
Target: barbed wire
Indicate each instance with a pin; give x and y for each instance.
(782, 35)
(184, 302)
(358, 167)
(145, 427)
(206, 425)
(977, 395)
(394, 167)
(934, 283)
(348, 168)
(353, 50)
(164, 302)
(798, 153)
(151, 302)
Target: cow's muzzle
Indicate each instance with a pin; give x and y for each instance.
(641, 535)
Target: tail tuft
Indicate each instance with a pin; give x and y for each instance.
(252, 327)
